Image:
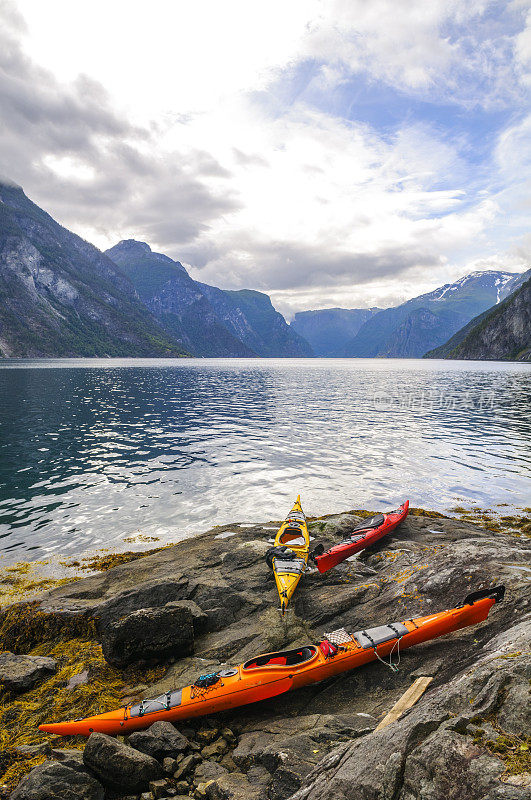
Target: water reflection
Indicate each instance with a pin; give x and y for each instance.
(94, 451)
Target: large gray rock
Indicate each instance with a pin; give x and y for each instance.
(207, 771)
(448, 764)
(20, 673)
(150, 634)
(59, 781)
(119, 766)
(290, 749)
(149, 594)
(161, 739)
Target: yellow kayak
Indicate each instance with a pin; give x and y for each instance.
(289, 555)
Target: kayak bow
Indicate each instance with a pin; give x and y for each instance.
(366, 533)
(289, 555)
(275, 673)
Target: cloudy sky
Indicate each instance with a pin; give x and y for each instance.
(329, 152)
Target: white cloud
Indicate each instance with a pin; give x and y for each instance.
(522, 51)
(168, 122)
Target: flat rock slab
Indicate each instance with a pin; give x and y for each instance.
(318, 741)
(20, 673)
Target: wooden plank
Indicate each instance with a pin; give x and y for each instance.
(408, 699)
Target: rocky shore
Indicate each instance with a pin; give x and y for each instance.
(155, 623)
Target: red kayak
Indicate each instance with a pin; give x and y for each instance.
(366, 533)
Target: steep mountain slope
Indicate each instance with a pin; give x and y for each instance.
(207, 321)
(328, 329)
(251, 316)
(60, 296)
(177, 301)
(401, 332)
(501, 333)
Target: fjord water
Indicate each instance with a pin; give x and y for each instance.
(95, 451)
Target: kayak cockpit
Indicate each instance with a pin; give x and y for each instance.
(293, 537)
(286, 658)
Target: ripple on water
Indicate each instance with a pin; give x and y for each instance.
(90, 455)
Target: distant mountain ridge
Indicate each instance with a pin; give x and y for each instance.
(328, 329)
(251, 317)
(60, 296)
(205, 320)
(427, 321)
(175, 300)
(500, 333)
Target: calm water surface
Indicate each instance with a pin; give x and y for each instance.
(95, 451)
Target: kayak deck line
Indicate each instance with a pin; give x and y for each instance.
(272, 674)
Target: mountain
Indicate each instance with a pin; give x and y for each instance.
(251, 316)
(178, 302)
(500, 333)
(60, 296)
(427, 321)
(328, 329)
(207, 321)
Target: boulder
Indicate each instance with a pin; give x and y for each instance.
(160, 788)
(59, 781)
(215, 749)
(20, 673)
(119, 766)
(149, 594)
(207, 771)
(448, 764)
(148, 635)
(199, 617)
(186, 765)
(160, 740)
(290, 749)
(233, 786)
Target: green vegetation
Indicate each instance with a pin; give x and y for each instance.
(513, 750)
(517, 525)
(53, 700)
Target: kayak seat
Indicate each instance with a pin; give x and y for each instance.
(370, 522)
(286, 658)
(383, 633)
(170, 700)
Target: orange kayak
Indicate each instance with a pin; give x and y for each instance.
(275, 673)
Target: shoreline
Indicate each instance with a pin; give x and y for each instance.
(23, 576)
(429, 563)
